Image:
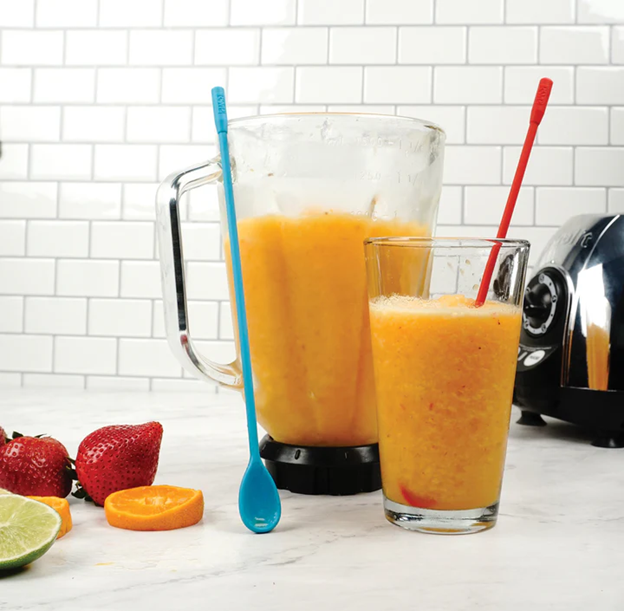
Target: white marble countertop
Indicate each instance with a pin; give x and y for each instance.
(558, 545)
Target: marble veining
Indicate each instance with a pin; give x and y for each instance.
(559, 543)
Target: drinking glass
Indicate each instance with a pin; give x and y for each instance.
(444, 376)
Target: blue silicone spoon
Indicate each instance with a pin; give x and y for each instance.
(258, 500)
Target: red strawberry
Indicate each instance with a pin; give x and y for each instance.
(117, 458)
(2, 436)
(37, 466)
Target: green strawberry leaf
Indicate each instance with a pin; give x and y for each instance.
(81, 493)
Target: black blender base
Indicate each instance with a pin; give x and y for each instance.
(530, 419)
(320, 470)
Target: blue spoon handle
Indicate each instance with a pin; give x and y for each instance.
(221, 123)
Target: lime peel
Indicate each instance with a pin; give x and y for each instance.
(27, 530)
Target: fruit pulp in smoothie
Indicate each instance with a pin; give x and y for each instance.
(307, 312)
(444, 374)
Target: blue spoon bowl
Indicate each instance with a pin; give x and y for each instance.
(258, 500)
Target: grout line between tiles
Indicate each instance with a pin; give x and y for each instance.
(397, 47)
(117, 350)
(285, 65)
(534, 206)
(95, 336)
(193, 46)
(64, 55)
(503, 73)
(363, 84)
(611, 33)
(219, 321)
(284, 26)
(154, 142)
(23, 325)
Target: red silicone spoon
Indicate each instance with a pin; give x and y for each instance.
(537, 112)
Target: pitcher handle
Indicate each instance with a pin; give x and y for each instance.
(169, 232)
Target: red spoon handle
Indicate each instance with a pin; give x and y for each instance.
(537, 112)
(541, 100)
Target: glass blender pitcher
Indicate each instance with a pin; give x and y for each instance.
(309, 189)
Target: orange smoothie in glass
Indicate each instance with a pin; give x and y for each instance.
(444, 374)
(307, 311)
(598, 342)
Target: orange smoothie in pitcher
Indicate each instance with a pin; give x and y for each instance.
(444, 373)
(307, 311)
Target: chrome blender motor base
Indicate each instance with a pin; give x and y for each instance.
(321, 470)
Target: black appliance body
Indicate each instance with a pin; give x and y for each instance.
(571, 354)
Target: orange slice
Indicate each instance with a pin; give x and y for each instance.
(62, 508)
(154, 508)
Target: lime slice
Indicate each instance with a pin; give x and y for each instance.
(27, 530)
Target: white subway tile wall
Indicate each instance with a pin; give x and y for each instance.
(11, 314)
(101, 99)
(64, 85)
